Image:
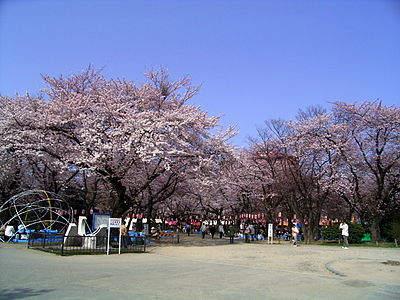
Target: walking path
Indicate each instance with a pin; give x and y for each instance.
(204, 269)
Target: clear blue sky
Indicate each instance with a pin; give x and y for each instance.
(256, 60)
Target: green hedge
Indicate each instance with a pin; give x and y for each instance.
(356, 233)
(391, 227)
(392, 231)
(331, 233)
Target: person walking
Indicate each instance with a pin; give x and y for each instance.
(213, 230)
(188, 229)
(295, 232)
(203, 230)
(345, 234)
(221, 231)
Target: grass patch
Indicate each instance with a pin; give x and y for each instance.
(365, 244)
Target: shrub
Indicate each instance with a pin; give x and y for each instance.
(396, 230)
(393, 232)
(356, 233)
(391, 227)
(331, 233)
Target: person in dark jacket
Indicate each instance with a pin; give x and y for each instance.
(231, 232)
(213, 230)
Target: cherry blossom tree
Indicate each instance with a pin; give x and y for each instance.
(364, 142)
(209, 187)
(371, 157)
(10, 177)
(116, 129)
(296, 170)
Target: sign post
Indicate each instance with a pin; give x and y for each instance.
(114, 223)
(270, 233)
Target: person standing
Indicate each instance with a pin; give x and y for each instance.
(252, 231)
(155, 232)
(9, 232)
(247, 233)
(345, 234)
(124, 235)
(231, 232)
(2, 232)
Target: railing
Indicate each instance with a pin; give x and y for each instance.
(69, 245)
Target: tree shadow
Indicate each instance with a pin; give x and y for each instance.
(22, 293)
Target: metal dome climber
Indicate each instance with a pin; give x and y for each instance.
(36, 210)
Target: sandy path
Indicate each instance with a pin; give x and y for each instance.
(204, 269)
(358, 262)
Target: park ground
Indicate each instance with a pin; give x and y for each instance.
(204, 269)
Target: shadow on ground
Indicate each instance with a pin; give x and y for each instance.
(22, 293)
(197, 241)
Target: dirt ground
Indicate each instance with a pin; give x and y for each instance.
(204, 269)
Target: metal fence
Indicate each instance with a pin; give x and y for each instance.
(69, 245)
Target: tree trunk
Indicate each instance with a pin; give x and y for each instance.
(149, 211)
(309, 233)
(375, 230)
(311, 230)
(120, 207)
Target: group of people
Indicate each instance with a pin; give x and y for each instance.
(249, 231)
(154, 233)
(230, 230)
(212, 229)
(254, 232)
(343, 226)
(8, 232)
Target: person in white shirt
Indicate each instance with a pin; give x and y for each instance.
(345, 234)
(221, 231)
(10, 231)
(295, 233)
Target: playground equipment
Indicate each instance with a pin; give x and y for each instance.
(97, 238)
(71, 236)
(81, 236)
(35, 210)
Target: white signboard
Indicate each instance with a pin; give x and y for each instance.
(270, 233)
(114, 223)
(270, 230)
